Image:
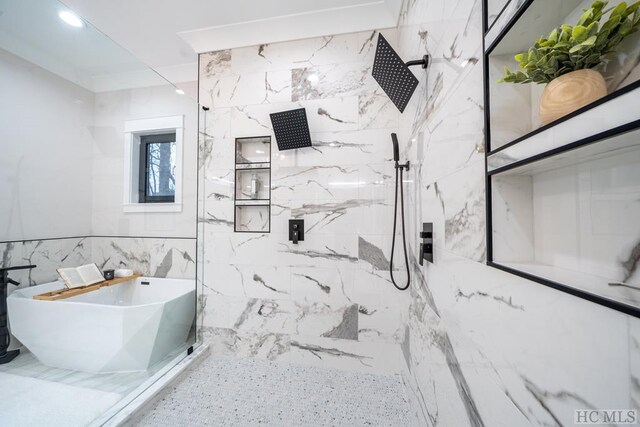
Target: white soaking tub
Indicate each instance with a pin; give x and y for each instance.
(125, 327)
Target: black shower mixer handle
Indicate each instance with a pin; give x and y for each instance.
(7, 355)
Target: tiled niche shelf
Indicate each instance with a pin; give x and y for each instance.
(252, 192)
(563, 200)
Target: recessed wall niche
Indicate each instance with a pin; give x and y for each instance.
(563, 198)
(513, 108)
(572, 218)
(252, 193)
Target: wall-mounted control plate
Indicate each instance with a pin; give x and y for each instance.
(426, 247)
(296, 230)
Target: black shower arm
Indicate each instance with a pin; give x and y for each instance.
(20, 267)
(4, 274)
(424, 62)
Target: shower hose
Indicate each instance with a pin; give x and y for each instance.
(399, 170)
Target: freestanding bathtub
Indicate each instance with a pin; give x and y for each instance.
(125, 327)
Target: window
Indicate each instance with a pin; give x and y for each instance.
(153, 165)
(157, 182)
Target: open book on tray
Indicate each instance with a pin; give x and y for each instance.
(76, 277)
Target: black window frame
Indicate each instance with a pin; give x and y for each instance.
(143, 170)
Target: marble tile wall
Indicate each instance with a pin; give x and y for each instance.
(482, 347)
(327, 299)
(157, 257)
(47, 255)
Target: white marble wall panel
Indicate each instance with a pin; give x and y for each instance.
(320, 51)
(359, 356)
(156, 257)
(47, 255)
(284, 316)
(512, 212)
(342, 187)
(634, 359)
(215, 64)
(315, 351)
(342, 148)
(482, 347)
(330, 81)
(463, 198)
(250, 281)
(316, 183)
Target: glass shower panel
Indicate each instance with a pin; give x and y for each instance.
(78, 110)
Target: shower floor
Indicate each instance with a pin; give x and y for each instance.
(247, 392)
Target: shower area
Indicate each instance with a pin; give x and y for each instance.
(98, 169)
(309, 120)
(306, 220)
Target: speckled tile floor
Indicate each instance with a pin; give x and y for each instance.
(249, 392)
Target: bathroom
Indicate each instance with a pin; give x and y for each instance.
(264, 293)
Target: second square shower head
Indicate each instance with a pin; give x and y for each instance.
(393, 74)
(291, 129)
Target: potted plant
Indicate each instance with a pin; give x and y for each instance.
(567, 60)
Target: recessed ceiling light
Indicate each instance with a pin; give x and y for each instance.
(71, 19)
(179, 91)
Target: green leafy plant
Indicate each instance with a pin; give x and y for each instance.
(570, 48)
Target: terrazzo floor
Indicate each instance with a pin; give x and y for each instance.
(250, 392)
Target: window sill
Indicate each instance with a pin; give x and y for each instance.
(152, 207)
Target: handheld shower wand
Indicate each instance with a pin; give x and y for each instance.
(399, 170)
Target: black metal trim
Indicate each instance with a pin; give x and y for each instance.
(607, 302)
(98, 236)
(575, 113)
(486, 17)
(602, 136)
(516, 16)
(487, 139)
(253, 163)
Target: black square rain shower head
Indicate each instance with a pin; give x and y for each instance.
(291, 129)
(393, 75)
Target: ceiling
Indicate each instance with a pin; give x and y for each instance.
(32, 30)
(167, 34)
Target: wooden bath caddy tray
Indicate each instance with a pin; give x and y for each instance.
(68, 293)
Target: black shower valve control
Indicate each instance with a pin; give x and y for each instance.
(296, 230)
(426, 247)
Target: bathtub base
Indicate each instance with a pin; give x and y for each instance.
(9, 356)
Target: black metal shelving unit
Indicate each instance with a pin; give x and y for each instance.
(607, 132)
